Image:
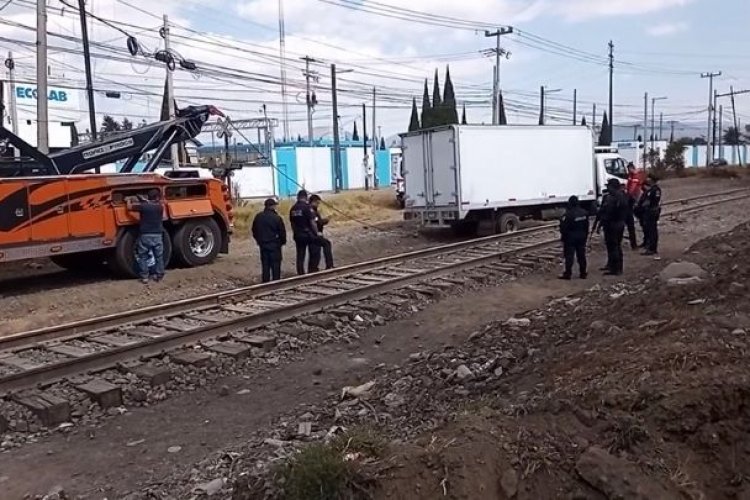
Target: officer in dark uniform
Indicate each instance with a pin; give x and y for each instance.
(574, 233)
(302, 219)
(321, 243)
(270, 235)
(611, 218)
(650, 209)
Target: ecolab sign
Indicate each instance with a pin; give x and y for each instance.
(57, 98)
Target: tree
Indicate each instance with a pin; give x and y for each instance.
(110, 125)
(127, 124)
(382, 143)
(583, 121)
(503, 119)
(436, 100)
(732, 136)
(355, 133)
(426, 108)
(414, 121)
(605, 136)
(450, 114)
(299, 138)
(463, 116)
(674, 157)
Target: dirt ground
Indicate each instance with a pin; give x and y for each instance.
(130, 455)
(40, 294)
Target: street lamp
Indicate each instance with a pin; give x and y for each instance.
(653, 118)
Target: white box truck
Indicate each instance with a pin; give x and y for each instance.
(488, 178)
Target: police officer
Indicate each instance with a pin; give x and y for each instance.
(611, 218)
(304, 228)
(650, 209)
(270, 235)
(321, 243)
(574, 233)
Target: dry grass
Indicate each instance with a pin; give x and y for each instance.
(344, 208)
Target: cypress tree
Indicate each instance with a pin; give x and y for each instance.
(605, 136)
(436, 100)
(449, 100)
(355, 133)
(583, 121)
(414, 122)
(426, 108)
(382, 143)
(463, 116)
(501, 103)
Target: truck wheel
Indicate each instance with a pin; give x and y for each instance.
(197, 242)
(83, 262)
(122, 260)
(507, 223)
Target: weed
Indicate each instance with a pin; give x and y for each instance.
(317, 472)
(364, 440)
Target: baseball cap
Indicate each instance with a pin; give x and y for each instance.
(270, 202)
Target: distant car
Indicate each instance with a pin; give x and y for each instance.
(719, 162)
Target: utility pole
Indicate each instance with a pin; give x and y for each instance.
(541, 106)
(713, 126)
(671, 134)
(42, 113)
(336, 144)
(645, 128)
(170, 92)
(310, 99)
(282, 58)
(575, 106)
(374, 140)
(661, 124)
(11, 65)
(611, 88)
(496, 72)
(653, 123)
(710, 76)
(365, 152)
(721, 132)
(736, 125)
(87, 65)
(593, 118)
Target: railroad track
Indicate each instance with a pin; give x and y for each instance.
(41, 357)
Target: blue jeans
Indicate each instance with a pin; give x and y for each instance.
(147, 245)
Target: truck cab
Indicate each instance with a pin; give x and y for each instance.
(610, 165)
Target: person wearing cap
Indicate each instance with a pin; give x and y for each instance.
(150, 241)
(270, 235)
(574, 233)
(304, 229)
(612, 216)
(650, 209)
(321, 242)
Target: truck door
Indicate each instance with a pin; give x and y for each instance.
(14, 214)
(440, 172)
(48, 204)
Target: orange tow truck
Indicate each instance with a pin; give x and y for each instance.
(54, 206)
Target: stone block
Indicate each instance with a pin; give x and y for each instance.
(265, 343)
(233, 349)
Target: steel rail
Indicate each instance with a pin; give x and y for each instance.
(79, 327)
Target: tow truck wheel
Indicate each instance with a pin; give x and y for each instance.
(197, 242)
(122, 261)
(507, 223)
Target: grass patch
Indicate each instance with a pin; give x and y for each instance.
(331, 471)
(343, 208)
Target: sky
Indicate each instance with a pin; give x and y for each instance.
(661, 47)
